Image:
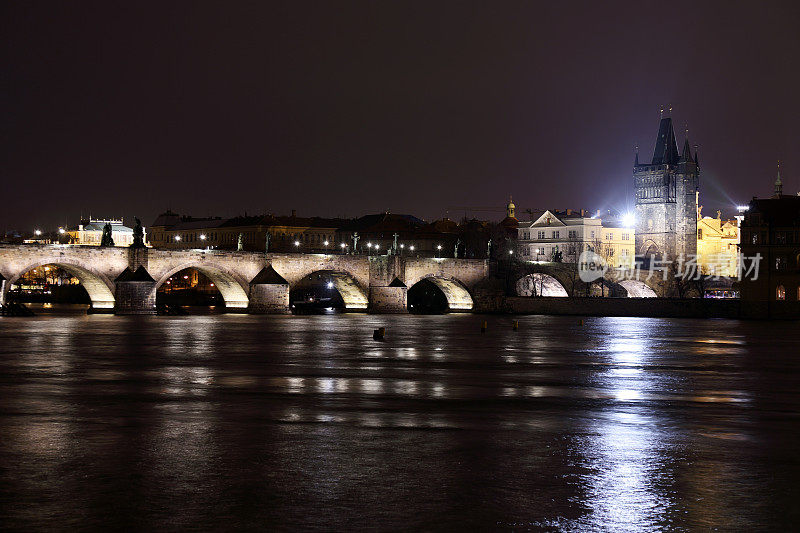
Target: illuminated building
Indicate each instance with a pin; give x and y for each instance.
(171, 230)
(90, 232)
(717, 245)
(564, 235)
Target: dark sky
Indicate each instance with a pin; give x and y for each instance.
(342, 108)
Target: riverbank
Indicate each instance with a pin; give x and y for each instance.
(652, 307)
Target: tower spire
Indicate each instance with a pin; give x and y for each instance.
(778, 182)
(686, 153)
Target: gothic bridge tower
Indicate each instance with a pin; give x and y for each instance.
(666, 198)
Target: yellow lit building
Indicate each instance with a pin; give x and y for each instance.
(717, 245)
(618, 244)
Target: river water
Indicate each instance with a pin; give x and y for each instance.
(307, 423)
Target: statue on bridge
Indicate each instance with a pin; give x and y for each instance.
(489, 249)
(138, 234)
(455, 249)
(355, 242)
(107, 239)
(266, 243)
(240, 243)
(394, 244)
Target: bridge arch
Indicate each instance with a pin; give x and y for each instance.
(457, 296)
(230, 285)
(97, 285)
(352, 293)
(637, 289)
(540, 284)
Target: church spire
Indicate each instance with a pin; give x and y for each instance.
(778, 182)
(636, 159)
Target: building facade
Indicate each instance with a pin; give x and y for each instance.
(666, 199)
(771, 230)
(90, 232)
(286, 234)
(717, 245)
(553, 236)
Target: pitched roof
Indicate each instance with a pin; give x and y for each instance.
(666, 151)
(384, 223)
(268, 276)
(140, 274)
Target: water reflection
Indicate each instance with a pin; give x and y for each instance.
(247, 422)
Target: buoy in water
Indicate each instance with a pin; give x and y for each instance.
(516, 325)
(379, 334)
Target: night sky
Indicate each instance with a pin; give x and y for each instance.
(343, 108)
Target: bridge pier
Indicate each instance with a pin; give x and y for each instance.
(135, 293)
(269, 293)
(390, 299)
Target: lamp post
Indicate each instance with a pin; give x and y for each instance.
(438, 249)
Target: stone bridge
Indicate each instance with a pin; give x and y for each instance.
(562, 279)
(125, 280)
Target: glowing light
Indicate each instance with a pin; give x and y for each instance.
(377, 246)
(185, 277)
(369, 245)
(297, 243)
(61, 231)
(628, 220)
(38, 232)
(511, 252)
(438, 246)
(402, 246)
(211, 284)
(742, 208)
(202, 237)
(330, 285)
(326, 243)
(411, 247)
(177, 237)
(342, 246)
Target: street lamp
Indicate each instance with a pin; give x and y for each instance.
(343, 246)
(411, 247)
(438, 249)
(177, 237)
(296, 243)
(37, 232)
(202, 237)
(61, 231)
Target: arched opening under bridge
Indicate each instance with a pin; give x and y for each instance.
(540, 285)
(438, 295)
(326, 291)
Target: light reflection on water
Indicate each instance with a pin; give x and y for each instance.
(233, 421)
